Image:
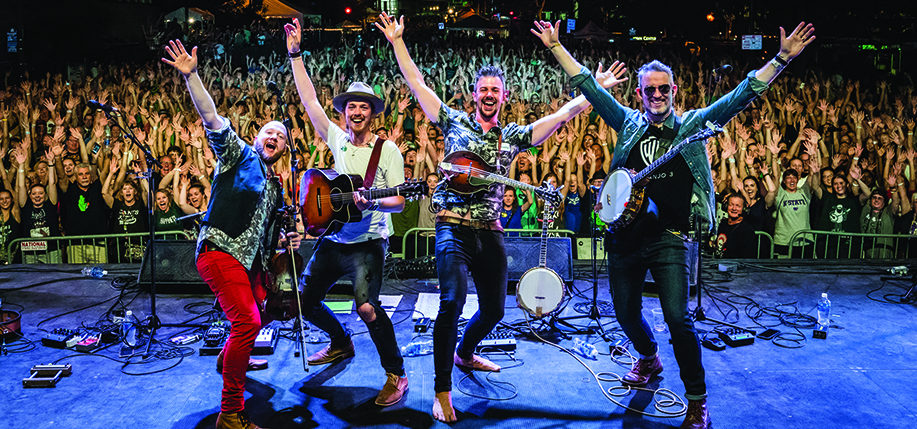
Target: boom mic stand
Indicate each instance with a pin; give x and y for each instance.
(699, 310)
(299, 328)
(154, 322)
(594, 314)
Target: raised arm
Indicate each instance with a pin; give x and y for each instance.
(428, 100)
(550, 36)
(544, 127)
(790, 47)
(304, 87)
(186, 64)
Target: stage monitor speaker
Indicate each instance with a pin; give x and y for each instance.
(176, 271)
(523, 253)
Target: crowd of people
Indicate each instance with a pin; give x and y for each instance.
(69, 170)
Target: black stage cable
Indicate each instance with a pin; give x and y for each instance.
(504, 385)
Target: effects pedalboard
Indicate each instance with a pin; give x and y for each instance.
(499, 340)
(214, 339)
(266, 341)
(737, 337)
(60, 338)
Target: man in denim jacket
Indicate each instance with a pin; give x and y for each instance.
(653, 240)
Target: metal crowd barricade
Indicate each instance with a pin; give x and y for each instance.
(86, 249)
(847, 245)
(420, 242)
(765, 245)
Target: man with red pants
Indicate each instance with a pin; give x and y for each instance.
(240, 231)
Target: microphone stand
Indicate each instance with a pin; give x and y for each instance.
(699, 310)
(594, 314)
(294, 210)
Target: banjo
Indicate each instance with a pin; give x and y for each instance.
(540, 290)
(622, 194)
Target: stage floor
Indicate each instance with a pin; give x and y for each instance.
(862, 376)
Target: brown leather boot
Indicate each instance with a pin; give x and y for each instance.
(235, 421)
(330, 354)
(253, 364)
(697, 417)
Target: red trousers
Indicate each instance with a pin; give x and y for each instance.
(239, 292)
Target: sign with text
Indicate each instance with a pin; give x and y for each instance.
(751, 42)
(571, 25)
(34, 246)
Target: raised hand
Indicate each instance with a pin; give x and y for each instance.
(391, 28)
(611, 77)
(549, 35)
(294, 35)
(180, 59)
(791, 46)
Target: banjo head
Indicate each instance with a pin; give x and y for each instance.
(540, 291)
(615, 194)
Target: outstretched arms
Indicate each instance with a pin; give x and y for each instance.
(428, 100)
(304, 87)
(186, 64)
(790, 47)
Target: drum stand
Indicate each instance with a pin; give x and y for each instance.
(594, 308)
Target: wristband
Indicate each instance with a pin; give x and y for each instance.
(293, 55)
(553, 46)
(856, 158)
(781, 61)
(69, 111)
(732, 160)
(777, 65)
(21, 170)
(28, 93)
(901, 184)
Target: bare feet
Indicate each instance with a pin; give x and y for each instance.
(442, 407)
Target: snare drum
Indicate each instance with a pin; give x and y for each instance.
(540, 291)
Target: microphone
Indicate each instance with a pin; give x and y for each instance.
(100, 106)
(723, 70)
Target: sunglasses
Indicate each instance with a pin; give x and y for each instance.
(651, 90)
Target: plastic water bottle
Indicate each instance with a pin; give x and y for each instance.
(587, 350)
(824, 311)
(129, 329)
(417, 348)
(96, 272)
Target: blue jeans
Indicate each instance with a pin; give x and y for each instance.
(362, 264)
(664, 254)
(460, 251)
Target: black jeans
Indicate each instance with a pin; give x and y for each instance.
(460, 251)
(664, 254)
(362, 264)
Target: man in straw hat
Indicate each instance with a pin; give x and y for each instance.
(357, 251)
(240, 232)
(469, 237)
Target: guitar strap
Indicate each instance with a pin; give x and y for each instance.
(373, 163)
(669, 136)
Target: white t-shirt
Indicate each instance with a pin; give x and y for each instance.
(349, 159)
(792, 213)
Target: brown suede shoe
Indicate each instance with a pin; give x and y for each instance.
(393, 390)
(476, 363)
(697, 417)
(643, 371)
(235, 421)
(253, 364)
(330, 354)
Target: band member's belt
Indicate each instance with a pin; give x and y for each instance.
(476, 224)
(208, 246)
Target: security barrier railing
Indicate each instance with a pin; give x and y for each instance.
(419, 242)
(807, 244)
(86, 249)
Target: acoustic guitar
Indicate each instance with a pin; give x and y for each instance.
(328, 199)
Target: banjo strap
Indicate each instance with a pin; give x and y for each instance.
(668, 136)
